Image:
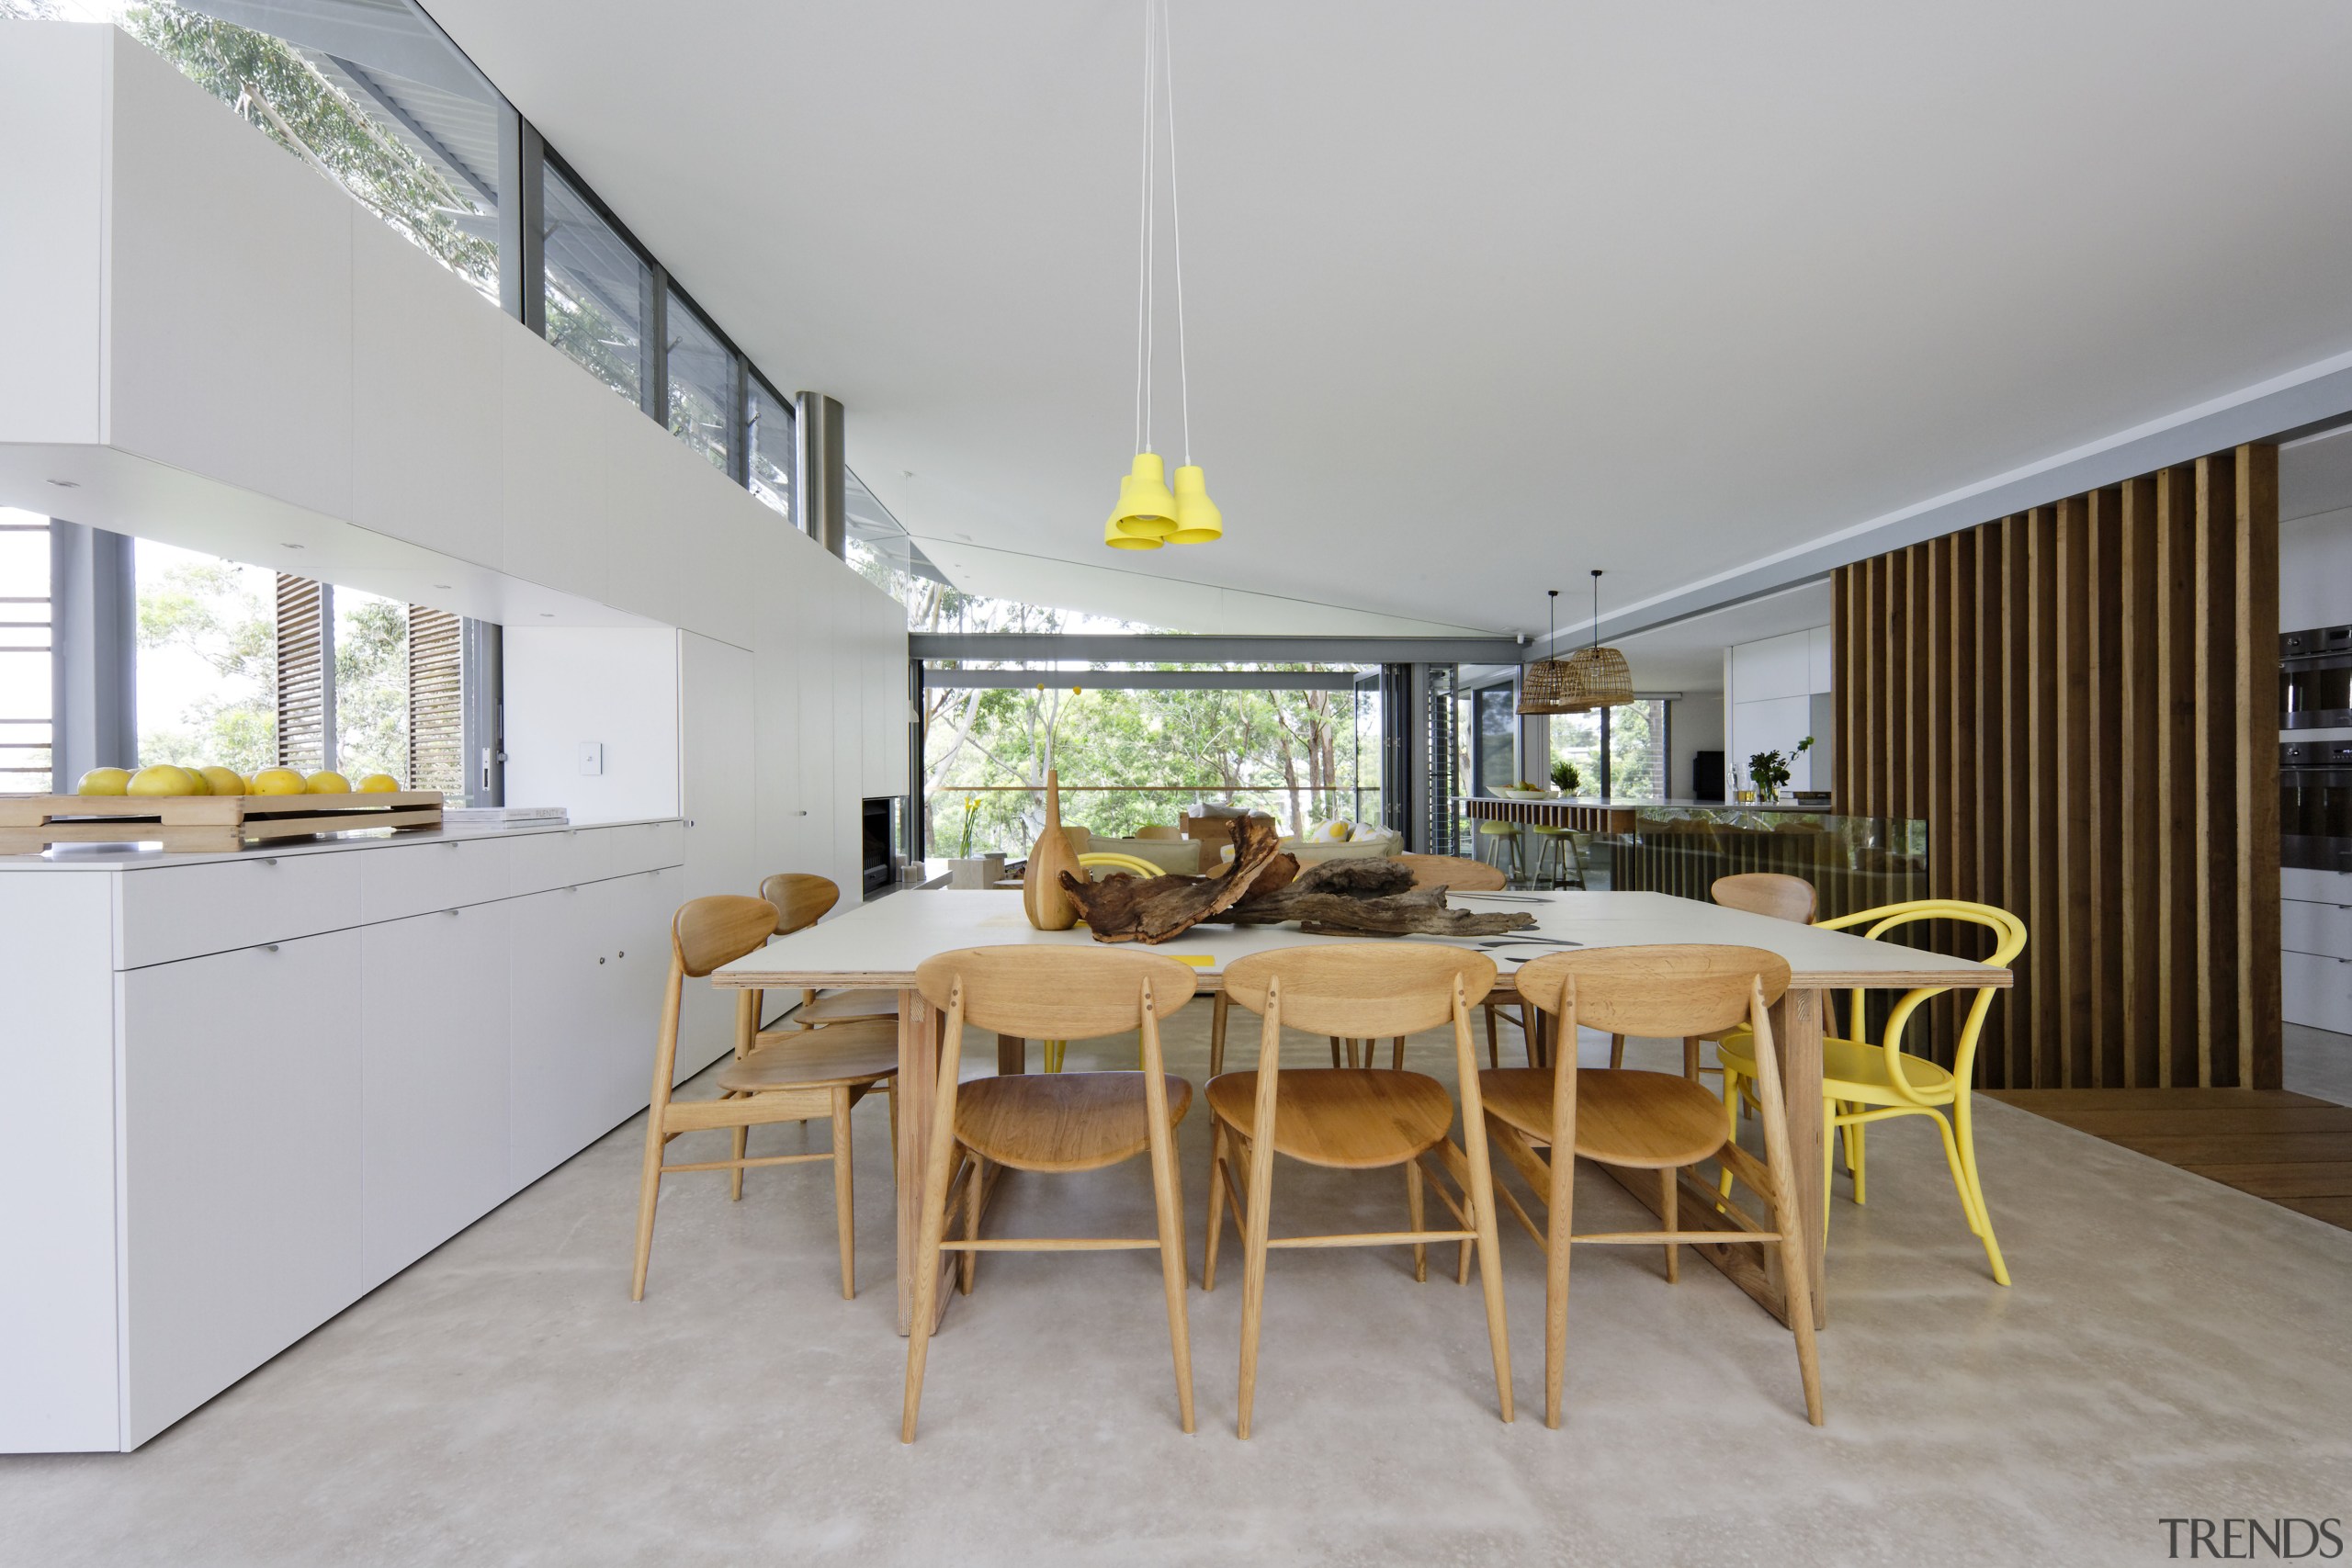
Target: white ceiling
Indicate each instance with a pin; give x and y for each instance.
(1481, 296)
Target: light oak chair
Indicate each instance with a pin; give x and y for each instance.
(822, 1074)
(801, 900)
(1752, 892)
(1471, 876)
(1353, 1119)
(1068, 1121)
(1650, 1121)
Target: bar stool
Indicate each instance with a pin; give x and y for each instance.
(1505, 837)
(1558, 851)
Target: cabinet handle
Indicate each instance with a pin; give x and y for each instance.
(269, 860)
(800, 814)
(600, 958)
(448, 911)
(269, 947)
(624, 953)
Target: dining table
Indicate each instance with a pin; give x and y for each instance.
(881, 943)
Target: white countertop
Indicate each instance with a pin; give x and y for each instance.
(881, 943)
(123, 857)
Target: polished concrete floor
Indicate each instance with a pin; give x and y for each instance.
(2170, 1349)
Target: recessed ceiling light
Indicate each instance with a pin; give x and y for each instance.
(287, 544)
(67, 484)
(440, 585)
(546, 615)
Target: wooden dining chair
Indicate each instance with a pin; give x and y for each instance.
(1751, 892)
(1470, 876)
(1642, 1121)
(1068, 1121)
(823, 1074)
(1353, 1119)
(801, 900)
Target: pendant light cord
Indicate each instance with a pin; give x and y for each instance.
(1176, 224)
(1143, 250)
(1596, 610)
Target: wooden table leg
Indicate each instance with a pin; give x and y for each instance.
(918, 1096)
(1796, 1033)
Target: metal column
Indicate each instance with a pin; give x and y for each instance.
(94, 620)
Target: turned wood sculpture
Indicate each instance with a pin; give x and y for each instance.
(1264, 887)
(1051, 864)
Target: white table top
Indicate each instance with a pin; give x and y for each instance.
(881, 943)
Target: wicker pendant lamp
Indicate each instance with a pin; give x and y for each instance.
(1548, 686)
(1599, 677)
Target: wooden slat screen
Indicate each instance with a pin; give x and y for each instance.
(2081, 700)
(437, 711)
(305, 689)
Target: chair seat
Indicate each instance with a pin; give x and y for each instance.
(1348, 1118)
(1853, 1070)
(1061, 1120)
(815, 1058)
(841, 1007)
(1645, 1121)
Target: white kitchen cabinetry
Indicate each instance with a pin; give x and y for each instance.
(267, 1082)
(241, 1173)
(433, 1052)
(2315, 933)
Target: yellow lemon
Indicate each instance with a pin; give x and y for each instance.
(224, 781)
(103, 781)
(278, 781)
(162, 779)
(379, 783)
(197, 782)
(327, 783)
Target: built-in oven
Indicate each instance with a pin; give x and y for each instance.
(878, 857)
(2315, 805)
(2315, 679)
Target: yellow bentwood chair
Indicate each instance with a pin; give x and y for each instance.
(1863, 1082)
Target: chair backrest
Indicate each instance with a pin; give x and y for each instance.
(707, 932)
(1161, 831)
(800, 899)
(1455, 871)
(1110, 860)
(1361, 990)
(1665, 992)
(1056, 993)
(1768, 893)
(2008, 940)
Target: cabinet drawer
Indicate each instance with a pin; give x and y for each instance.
(183, 912)
(440, 873)
(2317, 992)
(2322, 929)
(537, 863)
(644, 846)
(2317, 886)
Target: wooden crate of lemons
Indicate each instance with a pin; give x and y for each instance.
(209, 809)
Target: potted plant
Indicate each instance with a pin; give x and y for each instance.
(1565, 774)
(963, 870)
(1768, 771)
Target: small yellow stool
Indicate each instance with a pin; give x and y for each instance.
(1505, 837)
(1558, 852)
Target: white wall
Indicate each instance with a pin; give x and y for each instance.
(616, 685)
(231, 353)
(2315, 572)
(1769, 691)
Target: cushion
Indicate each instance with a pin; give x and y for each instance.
(1179, 855)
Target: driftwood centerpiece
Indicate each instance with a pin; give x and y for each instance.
(1338, 897)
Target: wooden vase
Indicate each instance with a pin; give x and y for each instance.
(1042, 897)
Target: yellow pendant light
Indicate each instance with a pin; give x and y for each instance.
(1146, 510)
(1149, 515)
(1198, 522)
